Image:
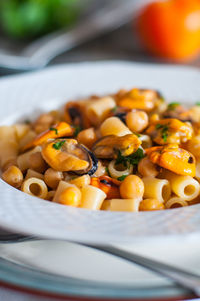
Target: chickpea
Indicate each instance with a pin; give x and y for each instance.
(43, 123)
(13, 176)
(137, 121)
(151, 204)
(37, 162)
(132, 188)
(87, 137)
(70, 196)
(195, 113)
(147, 168)
(45, 118)
(161, 107)
(52, 177)
(154, 117)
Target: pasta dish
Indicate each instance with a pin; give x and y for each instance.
(129, 151)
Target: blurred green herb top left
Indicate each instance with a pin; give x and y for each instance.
(28, 19)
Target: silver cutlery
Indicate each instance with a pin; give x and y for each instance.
(107, 17)
(182, 278)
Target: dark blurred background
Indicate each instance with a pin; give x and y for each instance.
(158, 31)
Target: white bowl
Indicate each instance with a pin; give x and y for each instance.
(24, 95)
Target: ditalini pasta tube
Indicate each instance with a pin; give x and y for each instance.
(197, 176)
(8, 153)
(27, 138)
(123, 205)
(115, 173)
(92, 197)
(21, 130)
(156, 189)
(99, 110)
(185, 187)
(61, 187)
(175, 202)
(114, 126)
(35, 187)
(8, 145)
(23, 161)
(50, 195)
(33, 174)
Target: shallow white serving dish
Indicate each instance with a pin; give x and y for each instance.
(22, 95)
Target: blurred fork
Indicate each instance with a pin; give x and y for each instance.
(110, 16)
(182, 278)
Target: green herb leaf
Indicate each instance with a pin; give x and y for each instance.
(121, 159)
(173, 105)
(107, 170)
(54, 129)
(197, 103)
(122, 178)
(59, 144)
(164, 131)
(164, 136)
(159, 126)
(137, 156)
(27, 121)
(138, 135)
(133, 159)
(78, 129)
(114, 109)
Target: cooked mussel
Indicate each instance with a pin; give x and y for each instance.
(108, 147)
(178, 111)
(170, 130)
(142, 99)
(74, 114)
(69, 155)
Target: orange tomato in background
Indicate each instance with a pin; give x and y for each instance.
(171, 28)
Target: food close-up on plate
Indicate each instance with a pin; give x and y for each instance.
(20, 212)
(99, 150)
(31, 215)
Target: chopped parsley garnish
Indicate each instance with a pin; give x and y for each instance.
(173, 105)
(54, 129)
(78, 129)
(159, 126)
(162, 99)
(197, 103)
(122, 178)
(164, 131)
(27, 121)
(114, 110)
(59, 144)
(138, 135)
(107, 170)
(164, 136)
(133, 159)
